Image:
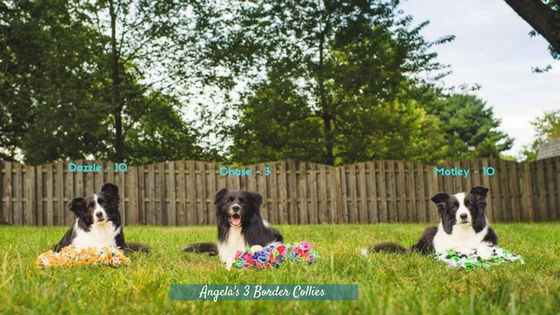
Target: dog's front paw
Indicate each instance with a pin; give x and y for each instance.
(256, 248)
(484, 252)
(229, 263)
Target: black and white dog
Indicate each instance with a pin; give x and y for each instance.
(463, 227)
(240, 225)
(98, 222)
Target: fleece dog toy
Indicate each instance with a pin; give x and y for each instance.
(70, 255)
(472, 262)
(275, 255)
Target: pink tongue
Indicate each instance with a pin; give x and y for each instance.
(235, 221)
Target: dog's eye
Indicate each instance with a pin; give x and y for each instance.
(230, 199)
(242, 200)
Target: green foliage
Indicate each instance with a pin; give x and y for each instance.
(46, 82)
(508, 158)
(332, 82)
(469, 127)
(547, 127)
(65, 93)
(159, 133)
(146, 46)
(267, 132)
(335, 82)
(388, 283)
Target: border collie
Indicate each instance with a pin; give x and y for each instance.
(240, 226)
(463, 227)
(98, 222)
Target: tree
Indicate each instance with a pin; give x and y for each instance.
(154, 128)
(469, 127)
(73, 86)
(143, 39)
(329, 81)
(48, 82)
(161, 134)
(544, 17)
(546, 127)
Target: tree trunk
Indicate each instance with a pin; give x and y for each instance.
(325, 108)
(328, 139)
(541, 17)
(117, 101)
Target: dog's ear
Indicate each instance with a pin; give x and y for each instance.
(220, 195)
(78, 206)
(480, 193)
(440, 199)
(257, 197)
(111, 190)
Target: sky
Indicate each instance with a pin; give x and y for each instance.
(492, 48)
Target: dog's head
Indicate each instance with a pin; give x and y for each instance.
(98, 208)
(462, 209)
(237, 206)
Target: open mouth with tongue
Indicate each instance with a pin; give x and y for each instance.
(235, 220)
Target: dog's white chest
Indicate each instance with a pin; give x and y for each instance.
(462, 239)
(99, 235)
(234, 242)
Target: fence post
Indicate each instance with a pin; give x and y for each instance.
(339, 208)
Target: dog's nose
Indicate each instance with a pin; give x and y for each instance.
(99, 214)
(236, 208)
(463, 216)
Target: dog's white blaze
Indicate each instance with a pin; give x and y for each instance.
(462, 209)
(234, 242)
(99, 235)
(98, 208)
(463, 237)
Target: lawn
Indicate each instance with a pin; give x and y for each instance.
(388, 283)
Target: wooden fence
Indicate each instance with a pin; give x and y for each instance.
(182, 192)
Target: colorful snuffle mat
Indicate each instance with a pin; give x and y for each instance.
(275, 256)
(456, 259)
(72, 256)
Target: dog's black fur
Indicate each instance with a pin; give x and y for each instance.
(424, 245)
(476, 201)
(83, 209)
(238, 208)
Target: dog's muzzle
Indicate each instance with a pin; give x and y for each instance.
(99, 216)
(464, 218)
(235, 215)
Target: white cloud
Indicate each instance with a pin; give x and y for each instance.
(493, 48)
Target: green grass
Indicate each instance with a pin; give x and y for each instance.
(388, 283)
